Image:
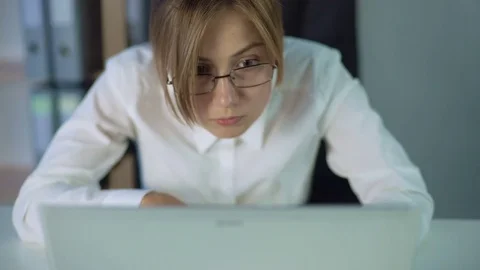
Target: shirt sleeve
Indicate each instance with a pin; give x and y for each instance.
(361, 149)
(81, 153)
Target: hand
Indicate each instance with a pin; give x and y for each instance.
(153, 199)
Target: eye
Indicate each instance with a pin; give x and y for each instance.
(248, 63)
(203, 70)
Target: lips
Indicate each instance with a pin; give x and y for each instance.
(229, 121)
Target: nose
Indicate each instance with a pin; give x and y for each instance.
(225, 93)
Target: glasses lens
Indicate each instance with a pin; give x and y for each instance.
(252, 76)
(204, 84)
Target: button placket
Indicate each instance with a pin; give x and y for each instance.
(227, 159)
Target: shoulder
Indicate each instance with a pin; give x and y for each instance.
(311, 72)
(306, 48)
(298, 51)
(131, 71)
(308, 62)
(131, 59)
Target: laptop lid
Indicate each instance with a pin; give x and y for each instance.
(219, 238)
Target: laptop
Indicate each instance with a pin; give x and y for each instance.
(231, 238)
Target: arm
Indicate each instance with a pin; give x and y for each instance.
(81, 153)
(363, 151)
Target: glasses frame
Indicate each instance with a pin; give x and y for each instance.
(231, 78)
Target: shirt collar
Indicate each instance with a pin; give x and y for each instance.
(253, 137)
(203, 139)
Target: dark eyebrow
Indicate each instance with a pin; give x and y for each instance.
(239, 52)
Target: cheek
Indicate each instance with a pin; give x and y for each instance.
(202, 104)
(258, 98)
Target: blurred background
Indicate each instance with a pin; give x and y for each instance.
(419, 61)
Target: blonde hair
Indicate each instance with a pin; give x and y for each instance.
(176, 29)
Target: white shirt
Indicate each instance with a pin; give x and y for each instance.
(271, 163)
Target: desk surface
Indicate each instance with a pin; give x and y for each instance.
(452, 244)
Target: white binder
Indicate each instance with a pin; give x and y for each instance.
(34, 16)
(68, 101)
(43, 118)
(75, 27)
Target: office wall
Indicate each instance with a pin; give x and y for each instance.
(420, 61)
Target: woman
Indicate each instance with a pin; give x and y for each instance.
(224, 110)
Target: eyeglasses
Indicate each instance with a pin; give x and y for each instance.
(244, 77)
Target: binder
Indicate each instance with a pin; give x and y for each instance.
(138, 14)
(68, 101)
(51, 108)
(75, 27)
(34, 15)
(43, 118)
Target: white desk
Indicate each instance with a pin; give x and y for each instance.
(452, 245)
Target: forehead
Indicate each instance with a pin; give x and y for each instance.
(228, 32)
